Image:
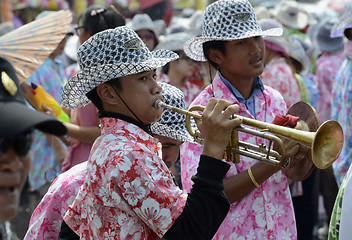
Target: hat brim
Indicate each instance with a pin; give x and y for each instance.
(74, 94)
(301, 23)
(338, 29)
(163, 130)
(194, 47)
(18, 118)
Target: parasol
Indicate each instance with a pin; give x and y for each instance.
(28, 46)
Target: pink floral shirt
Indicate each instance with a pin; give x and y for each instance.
(47, 217)
(266, 212)
(189, 89)
(278, 75)
(328, 65)
(128, 192)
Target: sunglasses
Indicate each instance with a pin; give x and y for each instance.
(21, 143)
(78, 30)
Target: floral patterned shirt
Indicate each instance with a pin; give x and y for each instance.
(341, 112)
(278, 75)
(266, 212)
(128, 191)
(47, 217)
(328, 65)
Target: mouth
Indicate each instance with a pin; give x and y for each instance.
(256, 60)
(158, 103)
(8, 190)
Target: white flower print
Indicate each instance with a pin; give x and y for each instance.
(124, 165)
(258, 207)
(134, 191)
(155, 217)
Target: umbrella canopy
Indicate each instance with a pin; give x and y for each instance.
(28, 46)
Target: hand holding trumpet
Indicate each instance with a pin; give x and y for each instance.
(216, 126)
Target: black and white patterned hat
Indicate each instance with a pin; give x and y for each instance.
(172, 124)
(110, 54)
(344, 22)
(227, 20)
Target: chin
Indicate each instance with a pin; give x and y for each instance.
(8, 212)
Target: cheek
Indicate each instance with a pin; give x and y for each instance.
(27, 161)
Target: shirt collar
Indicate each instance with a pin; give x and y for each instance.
(257, 87)
(145, 127)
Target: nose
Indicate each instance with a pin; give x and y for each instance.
(10, 161)
(156, 88)
(256, 45)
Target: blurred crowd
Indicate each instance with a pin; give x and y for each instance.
(309, 63)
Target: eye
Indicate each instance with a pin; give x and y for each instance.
(155, 76)
(143, 78)
(241, 42)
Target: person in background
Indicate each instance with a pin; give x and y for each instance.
(293, 17)
(83, 128)
(47, 217)
(17, 123)
(232, 40)
(342, 94)
(178, 72)
(143, 25)
(48, 151)
(327, 65)
(300, 64)
(277, 72)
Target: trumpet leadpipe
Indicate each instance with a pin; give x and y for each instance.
(159, 103)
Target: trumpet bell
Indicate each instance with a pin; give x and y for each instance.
(327, 144)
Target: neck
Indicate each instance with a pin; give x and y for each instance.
(242, 84)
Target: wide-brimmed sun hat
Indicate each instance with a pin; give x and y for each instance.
(174, 41)
(110, 54)
(291, 15)
(227, 20)
(297, 52)
(344, 22)
(172, 124)
(279, 44)
(323, 39)
(143, 21)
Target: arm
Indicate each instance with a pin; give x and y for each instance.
(207, 205)
(83, 134)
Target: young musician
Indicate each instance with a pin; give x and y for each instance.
(232, 41)
(128, 192)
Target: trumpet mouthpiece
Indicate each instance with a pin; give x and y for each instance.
(158, 103)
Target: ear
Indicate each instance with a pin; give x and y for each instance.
(107, 94)
(215, 56)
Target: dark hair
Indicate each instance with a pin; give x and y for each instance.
(93, 96)
(97, 18)
(218, 45)
(296, 65)
(348, 33)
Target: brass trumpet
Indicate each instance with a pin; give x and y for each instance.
(325, 144)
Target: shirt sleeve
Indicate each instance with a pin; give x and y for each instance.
(207, 204)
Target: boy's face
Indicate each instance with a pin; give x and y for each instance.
(244, 59)
(13, 174)
(140, 91)
(170, 149)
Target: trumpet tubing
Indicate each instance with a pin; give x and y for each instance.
(326, 143)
